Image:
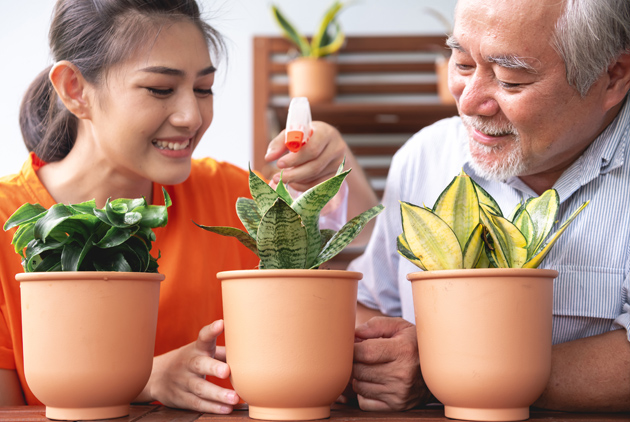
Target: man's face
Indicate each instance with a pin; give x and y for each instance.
(522, 117)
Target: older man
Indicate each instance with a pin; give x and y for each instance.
(541, 88)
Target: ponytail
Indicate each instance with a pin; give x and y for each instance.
(48, 128)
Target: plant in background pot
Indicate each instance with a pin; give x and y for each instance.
(483, 309)
(311, 75)
(289, 327)
(89, 297)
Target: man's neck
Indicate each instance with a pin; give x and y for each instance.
(545, 180)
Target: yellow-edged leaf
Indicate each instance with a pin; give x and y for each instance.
(486, 200)
(524, 223)
(495, 246)
(474, 247)
(291, 32)
(403, 249)
(430, 238)
(327, 19)
(333, 46)
(535, 261)
(458, 206)
(543, 211)
(515, 242)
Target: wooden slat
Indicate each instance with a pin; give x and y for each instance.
(366, 66)
(377, 43)
(376, 118)
(368, 88)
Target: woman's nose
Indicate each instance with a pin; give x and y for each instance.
(188, 113)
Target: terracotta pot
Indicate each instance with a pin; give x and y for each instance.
(312, 78)
(441, 71)
(484, 339)
(88, 340)
(289, 337)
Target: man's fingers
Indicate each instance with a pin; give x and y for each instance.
(385, 327)
(376, 374)
(376, 350)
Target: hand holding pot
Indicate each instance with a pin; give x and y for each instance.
(386, 372)
(178, 377)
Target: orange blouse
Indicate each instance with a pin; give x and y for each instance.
(190, 296)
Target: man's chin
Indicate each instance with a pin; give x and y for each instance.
(498, 169)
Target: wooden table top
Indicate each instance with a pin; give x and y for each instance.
(154, 413)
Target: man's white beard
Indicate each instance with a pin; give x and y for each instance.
(504, 164)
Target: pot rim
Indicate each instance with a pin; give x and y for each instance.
(483, 272)
(286, 273)
(89, 275)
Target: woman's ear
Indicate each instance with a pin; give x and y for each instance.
(71, 88)
(618, 79)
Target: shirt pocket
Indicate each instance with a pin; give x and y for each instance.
(589, 292)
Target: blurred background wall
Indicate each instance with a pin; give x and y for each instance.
(24, 51)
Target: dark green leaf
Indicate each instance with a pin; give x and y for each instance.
(247, 212)
(309, 206)
(115, 236)
(282, 239)
(239, 234)
(23, 215)
(55, 216)
(346, 235)
(263, 194)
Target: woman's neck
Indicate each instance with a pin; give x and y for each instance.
(76, 179)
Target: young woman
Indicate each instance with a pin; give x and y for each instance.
(119, 115)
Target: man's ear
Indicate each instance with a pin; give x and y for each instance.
(71, 88)
(618, 80)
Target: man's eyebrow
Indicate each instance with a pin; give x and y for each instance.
(508, 61)
(512, 61)
(453, 44)
(163, 70)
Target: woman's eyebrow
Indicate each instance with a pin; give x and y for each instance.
(164, 70)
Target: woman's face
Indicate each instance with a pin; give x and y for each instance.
(152, 110)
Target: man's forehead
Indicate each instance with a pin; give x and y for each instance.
(515, 14)
(512, 33)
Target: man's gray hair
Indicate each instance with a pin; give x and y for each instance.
(589, 36)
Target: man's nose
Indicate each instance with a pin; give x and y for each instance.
(475, 95)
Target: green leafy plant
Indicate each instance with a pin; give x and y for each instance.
(82, 237)
(466, 229)
(284, 232)
(327, 40)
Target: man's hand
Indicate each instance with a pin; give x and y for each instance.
(386, 372)
(178, 377)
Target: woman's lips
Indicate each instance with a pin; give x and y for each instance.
(174, 147)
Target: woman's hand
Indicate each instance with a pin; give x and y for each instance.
(319, 160)
(316, 161)
(178, 377)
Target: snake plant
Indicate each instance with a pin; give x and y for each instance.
(327, 40)
(284, 232)
(82, 237)
(466, 229)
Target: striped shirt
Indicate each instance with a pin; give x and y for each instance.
(591, 293)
